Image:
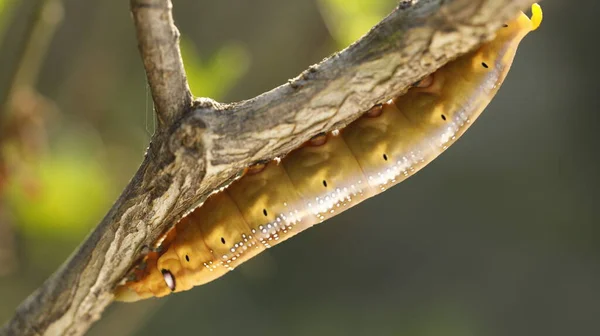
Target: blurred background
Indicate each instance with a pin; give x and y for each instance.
(499, 236)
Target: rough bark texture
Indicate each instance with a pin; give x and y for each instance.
(199, 148)
(158, 41)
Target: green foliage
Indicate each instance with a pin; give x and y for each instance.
(348, 20)
(5, 9)
(215, 76)
(62, 194)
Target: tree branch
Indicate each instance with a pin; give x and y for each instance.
(158, 41)
(196, 152)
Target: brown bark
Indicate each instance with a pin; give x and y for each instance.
(158, 41)
(199, 148)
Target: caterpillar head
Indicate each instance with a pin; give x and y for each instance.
(162, 273)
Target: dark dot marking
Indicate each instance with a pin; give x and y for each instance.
(484, 65)
(222, 240)
(265, 212)
(505, 25)
(324, 183)
(187, 258)
(443, 117)
(385, 157)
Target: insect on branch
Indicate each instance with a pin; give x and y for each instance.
(201, 144)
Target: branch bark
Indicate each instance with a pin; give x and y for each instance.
(197, 150)
(158, 41)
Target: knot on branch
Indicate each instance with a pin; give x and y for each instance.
(207, 104)
(186, 139)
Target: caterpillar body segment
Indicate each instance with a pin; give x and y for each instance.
(274, 201)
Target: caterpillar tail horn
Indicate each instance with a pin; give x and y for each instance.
(536, 16)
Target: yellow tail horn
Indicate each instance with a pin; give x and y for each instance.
(536, 16)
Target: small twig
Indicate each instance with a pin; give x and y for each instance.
(158, 41)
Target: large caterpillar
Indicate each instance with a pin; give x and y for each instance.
(331, 173)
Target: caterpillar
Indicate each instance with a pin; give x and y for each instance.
(332, 172)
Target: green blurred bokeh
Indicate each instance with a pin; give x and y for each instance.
(499, 236)
(216, 76)
(348, 20)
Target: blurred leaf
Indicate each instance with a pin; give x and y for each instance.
(348, 20)
(5, 9)
(61, 194)
(215, 76)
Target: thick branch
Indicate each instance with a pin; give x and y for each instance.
(192, 156)
(158, 41)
